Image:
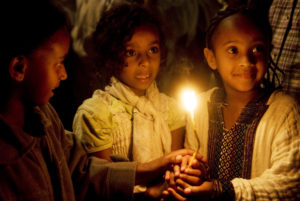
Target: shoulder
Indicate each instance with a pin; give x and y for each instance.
(281, 100)
(282, 109)
(170, 105)
(206, 96)
(102, 105)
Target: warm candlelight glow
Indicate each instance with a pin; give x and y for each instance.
(189, 100)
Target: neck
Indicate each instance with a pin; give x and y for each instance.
(238, 99)
(14, 112)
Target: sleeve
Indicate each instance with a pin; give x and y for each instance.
(177, 115)
(94, 178)
(280, 181)
(97, 178)
(93, 125)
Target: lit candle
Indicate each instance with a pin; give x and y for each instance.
(190, 102)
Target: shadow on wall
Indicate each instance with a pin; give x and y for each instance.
(184, 23)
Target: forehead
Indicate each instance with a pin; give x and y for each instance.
(57, 45)
(237, 25)
(145, 32)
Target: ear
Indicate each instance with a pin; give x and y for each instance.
(17, 68)
(210, 58)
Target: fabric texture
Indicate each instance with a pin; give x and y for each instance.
(284, 17)
(46, 163)
(137, 128)
(230, 150)
(275, 168)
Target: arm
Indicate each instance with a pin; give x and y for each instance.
(278, 137)
(177, 138)
(177, 123)
(105, 154)
(92, 125)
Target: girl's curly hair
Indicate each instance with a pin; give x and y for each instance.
(260, 20)
(116, 27)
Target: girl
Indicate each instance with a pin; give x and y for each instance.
(130, 117)
(248, 130)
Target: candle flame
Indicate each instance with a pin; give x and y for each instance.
(189, 100)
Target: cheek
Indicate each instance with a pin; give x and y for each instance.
(125, 74)
(130, 61)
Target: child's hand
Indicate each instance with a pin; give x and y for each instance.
(146, 172)
(155, 192)
(198, 168)
(184, 191)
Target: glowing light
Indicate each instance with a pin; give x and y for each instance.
(189, 101)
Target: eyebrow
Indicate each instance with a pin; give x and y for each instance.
(64, 56)
(236, 41)
(152, 43)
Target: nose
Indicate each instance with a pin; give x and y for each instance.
(144, 60)
(247, 59)
(62, 73)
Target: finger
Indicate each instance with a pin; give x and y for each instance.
(167, 175)
(165, 194)
(172, 182)
(176, 195)
(203, 167)
(182, 184)
(193, 180)
(184, 163)
(183, 152)
(204, 189)
(180, 190)
(176, 170)
(178, 159)
(201, 158)
(193, 172)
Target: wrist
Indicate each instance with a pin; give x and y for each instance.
(222, 189)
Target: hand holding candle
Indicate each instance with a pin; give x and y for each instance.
(190, 102)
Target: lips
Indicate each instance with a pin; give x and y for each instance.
(143, 76)
(249, 74)
(245, 75)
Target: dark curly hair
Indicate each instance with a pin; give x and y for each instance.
(116, 27)
(260, 20)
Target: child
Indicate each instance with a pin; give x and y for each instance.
(38, 160)
(130, 117)
(248, 131)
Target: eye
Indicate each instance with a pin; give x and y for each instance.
(232, 50)
(59, 65)
(154, 50)
(258, 49)
(129, 53)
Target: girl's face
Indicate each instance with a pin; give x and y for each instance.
(239, 54)
(142, 59)
(46, 68)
